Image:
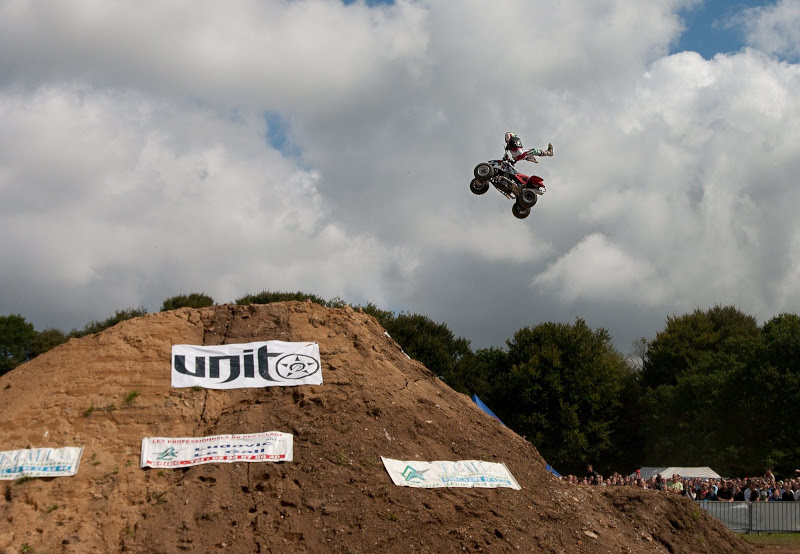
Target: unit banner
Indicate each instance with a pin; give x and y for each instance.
(464, 473)
(40, 462)
(272, 446)
(271, 363)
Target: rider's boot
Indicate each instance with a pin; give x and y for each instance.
(549, 151)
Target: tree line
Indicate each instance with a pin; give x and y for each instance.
(712, 388)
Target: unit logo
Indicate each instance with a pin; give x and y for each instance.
(296, 366)
(274, 362)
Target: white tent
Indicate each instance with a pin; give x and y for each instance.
(685, 472)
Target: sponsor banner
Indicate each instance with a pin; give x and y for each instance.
(271, 363)
(464, 473)
(40, 462)
(271, 446)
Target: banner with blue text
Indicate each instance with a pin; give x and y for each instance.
(271, 446)
(464, 473)
(40, 462)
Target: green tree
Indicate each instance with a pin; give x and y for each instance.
(384, 317)
(97, 326)
(484, 373)
(433, 344)
(191, 300)
(563, 392)
(46, 340)
(688, 337)
(16, 337)
(693, 400)
(778, 382)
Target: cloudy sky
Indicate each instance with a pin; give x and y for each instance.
(161, 147)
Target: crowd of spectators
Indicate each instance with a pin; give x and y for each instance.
(749, 489)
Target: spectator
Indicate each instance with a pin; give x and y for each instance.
(675, 484)
(725, 493)
(748, 491)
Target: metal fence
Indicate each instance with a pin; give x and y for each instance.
(749, 517)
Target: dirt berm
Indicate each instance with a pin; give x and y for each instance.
(335, 496)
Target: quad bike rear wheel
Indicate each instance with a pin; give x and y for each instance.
(478, 187)
(483, 172)
(527, 198)
(520, 212)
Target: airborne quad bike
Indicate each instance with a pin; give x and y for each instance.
(523, 189)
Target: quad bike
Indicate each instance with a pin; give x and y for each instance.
(523, 189)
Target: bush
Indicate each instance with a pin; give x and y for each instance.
(97, 326)
(192, 300)
(268, 297)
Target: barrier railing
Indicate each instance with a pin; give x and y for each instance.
(749, 517)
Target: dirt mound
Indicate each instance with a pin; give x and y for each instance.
(108, 391)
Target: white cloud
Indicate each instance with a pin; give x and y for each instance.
(133, 154)
(116, 196)
(774, 29)
(693, 186)
(309, 54)
(599, 269)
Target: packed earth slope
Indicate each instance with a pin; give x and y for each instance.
(108, 391)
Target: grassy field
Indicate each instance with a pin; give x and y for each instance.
(782, 542)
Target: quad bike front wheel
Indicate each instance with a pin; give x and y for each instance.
(479, 187)
(527, 198)
(520, 212)
(483, 172)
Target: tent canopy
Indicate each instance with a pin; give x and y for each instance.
(685, 472)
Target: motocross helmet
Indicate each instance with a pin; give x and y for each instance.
(513, 142)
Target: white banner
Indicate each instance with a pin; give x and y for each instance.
(271, 363)
(40, 462)
(272, 446)
(464, 473)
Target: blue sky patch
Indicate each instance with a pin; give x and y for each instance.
(370, 3)
(277, 134)
(706, 30)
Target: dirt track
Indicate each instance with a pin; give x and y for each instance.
(335, 496)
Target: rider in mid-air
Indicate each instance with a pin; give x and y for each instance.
(515, 153)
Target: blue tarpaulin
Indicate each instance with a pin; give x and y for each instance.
(549, 468)
(486, 409)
